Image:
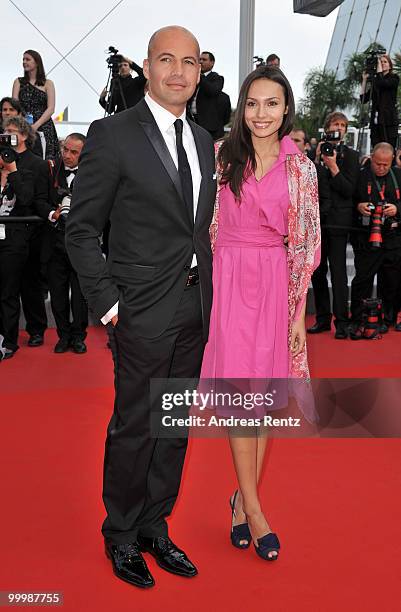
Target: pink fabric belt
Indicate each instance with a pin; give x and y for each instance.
(248, 238)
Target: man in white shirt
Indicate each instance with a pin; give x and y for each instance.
(152, 173)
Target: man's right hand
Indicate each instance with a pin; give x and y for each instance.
(364, 209)
(114, 320)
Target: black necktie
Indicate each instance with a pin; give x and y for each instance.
(184, 170)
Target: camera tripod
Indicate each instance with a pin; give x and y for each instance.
(114, 82)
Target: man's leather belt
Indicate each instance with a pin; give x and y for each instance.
(193, 277)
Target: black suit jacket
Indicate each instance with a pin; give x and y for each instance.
(342, 188)
(126, 173)
(207, 106)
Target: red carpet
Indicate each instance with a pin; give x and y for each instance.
(335, 503)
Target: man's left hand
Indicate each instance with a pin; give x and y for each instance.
(390, 210)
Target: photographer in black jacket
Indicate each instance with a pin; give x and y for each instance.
(24, 192)
(381, 88)
(126, 91)
(342, 171)
(65, 291)
(377, 252)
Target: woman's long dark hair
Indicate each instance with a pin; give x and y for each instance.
(237, 156)
(40, 71)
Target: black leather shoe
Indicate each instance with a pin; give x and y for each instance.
(356, 332)
(341, 333)
(397, 327)
(79, 347)
(168, 556)
(62, 345)
(129, 565)
(318, 328)
(35, 340)
(8, 353)
(383, 328)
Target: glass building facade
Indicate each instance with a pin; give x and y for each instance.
(359, 23)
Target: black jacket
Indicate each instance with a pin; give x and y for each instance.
(126, 173)
(324, 193)
(132, 89)
(342, 188)
(207, 106)
(30, 186)
(384, 99)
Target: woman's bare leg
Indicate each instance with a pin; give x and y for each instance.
(248, 455)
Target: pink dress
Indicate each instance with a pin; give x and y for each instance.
(248, 335)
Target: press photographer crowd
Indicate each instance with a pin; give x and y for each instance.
(360, 202)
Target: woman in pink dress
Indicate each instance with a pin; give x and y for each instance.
(265, 237)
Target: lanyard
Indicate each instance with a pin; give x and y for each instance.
(382, 188)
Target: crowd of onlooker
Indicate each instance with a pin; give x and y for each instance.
(359, 203)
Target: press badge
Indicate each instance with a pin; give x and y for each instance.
(2, 231)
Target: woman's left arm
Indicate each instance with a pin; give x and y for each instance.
(51, 102)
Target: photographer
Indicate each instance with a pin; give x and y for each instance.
(377, 243)
(342, 171)
(380, 86)
(126, 91)
(60, 274)
(299, 137)
(24, 192)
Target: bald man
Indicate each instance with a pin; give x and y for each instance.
(151, 171)
(378, 184)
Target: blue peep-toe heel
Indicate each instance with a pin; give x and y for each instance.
(238, 532)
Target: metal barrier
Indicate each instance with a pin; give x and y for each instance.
(30, 219)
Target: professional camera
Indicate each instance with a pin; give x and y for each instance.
(377, 221)
(371, 58)
(114, 61)
(7, 153)
(329, 140)
(64, 203)
(372, 318)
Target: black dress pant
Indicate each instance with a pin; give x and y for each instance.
(369, 262)
(33, 285)
(14, 250)
(62, 277)
(142, 473)
(333, 253)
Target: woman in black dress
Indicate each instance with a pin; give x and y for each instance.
(37, 97)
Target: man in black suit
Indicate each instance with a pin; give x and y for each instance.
(204, 105)
(65, 292)
(342, 170)
(152, 172)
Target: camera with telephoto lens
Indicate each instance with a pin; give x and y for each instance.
(114, 61)
(7, 153)
(328, 143)
(64, 200)
(372, 318)
(371, 58)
